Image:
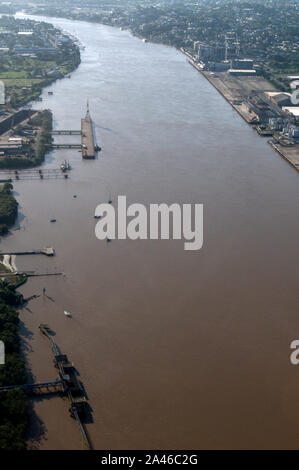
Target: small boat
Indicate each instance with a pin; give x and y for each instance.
(67, 314)
(65, 166)
(53, 219)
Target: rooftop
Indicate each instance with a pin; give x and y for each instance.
(291, 109)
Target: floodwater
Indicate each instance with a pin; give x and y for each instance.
(176, 349)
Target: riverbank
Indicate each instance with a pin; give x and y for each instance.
(33, 61)
(36, 140)
(8, 208)
(14, 405)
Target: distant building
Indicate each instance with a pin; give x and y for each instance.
(242, 64)
(10, 148)
(294, 132)
(294, 110)
(279, 98)
(217, 66)
(294, 85)
(25, 33)
(242, 72)
(35, 50)
(278, 123)
(210, 53)
(63, 40)
(205, 52)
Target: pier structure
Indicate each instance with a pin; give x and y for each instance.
(49, 251)
(50, 173)
(88, 147)
(67, 385)
(66, 132)
(66, 146)
(30, 274)
(72, 387)
(44, 388)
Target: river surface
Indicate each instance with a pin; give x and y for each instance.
(176, 349)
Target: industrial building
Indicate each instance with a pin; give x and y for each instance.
(210, 53)
(10, 148)
(242, 72)
(294, 110)
(279, 98)
(241, 64)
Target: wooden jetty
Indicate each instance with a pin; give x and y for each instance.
(43, 388)
(72, 387)
(65, 132)
(49, 251)
(67, 384)
(11, 175)
(29, 274)
(66, 146)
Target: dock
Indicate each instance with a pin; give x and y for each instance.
(88, 146)
(32, 174)
(71, 386)
(66, 146)
(66, 385)
(66, 132)
(43, 388)
(29, 274)
(49, 251)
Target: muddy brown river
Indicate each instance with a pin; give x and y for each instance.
(176, 349)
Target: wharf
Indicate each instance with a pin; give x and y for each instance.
(67, 384)
(66, 146)
(88, 146)
(49, 251)
(32, 174)
(236, 91)
(291, 154)
(71, 385)
(44, 388)
(66, 132)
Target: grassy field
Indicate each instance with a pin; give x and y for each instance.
(23, 82)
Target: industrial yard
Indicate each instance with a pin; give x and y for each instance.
(262, 106)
